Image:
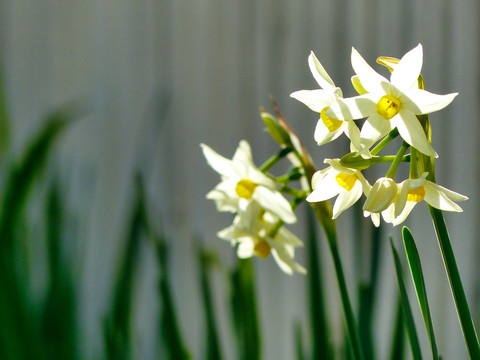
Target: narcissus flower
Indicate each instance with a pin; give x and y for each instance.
(349, 184)
(412, 191)
(391, 104)
(382, 194)
(242, 182)
(257, 232)
(328, 127)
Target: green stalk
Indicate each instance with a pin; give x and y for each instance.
(267, 165)
(469, 333)
(323, 212)
(398, 158)
(392, 135)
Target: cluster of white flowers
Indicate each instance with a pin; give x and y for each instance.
(386, 105)
(260, 209)
(390, 108)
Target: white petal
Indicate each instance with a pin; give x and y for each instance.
(451, 194)
(346, 199)
(356, 107)
(243, 155)
(316, 100)
(412, 132)
(406, 211)
(335, 164)
(284, 259)
(323, 135)
(436, 197)
(375, 128)
(425, 102)
(227, 233)
(375, 218)
(406, 72)
(286, 237)
(324, 189)
(369, 78)
(223, 201)
(221, 165)
(320, 75)
(245, 249)
(353, 133)
(274, 202)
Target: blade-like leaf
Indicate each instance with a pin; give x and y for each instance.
(20, 324)
(171, 337)
(59, 314)
(407, 311)
(213, 350)
(318, 319)
(117, 325)
(456, 286)
(397, 351)
(419, 282)
(300, 354)
(244, 311)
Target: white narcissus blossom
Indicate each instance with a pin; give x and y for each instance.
(349, 184)
(255, 233)
(412, 191)
(328, 127)
(242, 182)
(391, 104)
(382, 194)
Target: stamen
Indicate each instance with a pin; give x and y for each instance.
(331, 123)
(346, 181)
(416, 195)
(388, 106)
(245, 188)
(262, 249)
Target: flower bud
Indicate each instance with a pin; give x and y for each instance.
(382, 194)
(277, 131)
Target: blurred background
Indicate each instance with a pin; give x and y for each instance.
(159, 77)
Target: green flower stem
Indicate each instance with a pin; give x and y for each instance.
(469, 333)
(267, 165)
(413, 163)
(398, 158)
(392, 135)
(323, 211)
(389, 159)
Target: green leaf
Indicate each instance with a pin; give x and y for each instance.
(323, 212)
(213, 351)
(419, 282)
(4, 116)
(300, 355)
(321, 348)
(407, 311)
(277, 131)
(456, 286)
(244, 311)
(397, 351)
(171, 336)
(20, 324)
(59, 311)
(117, 325)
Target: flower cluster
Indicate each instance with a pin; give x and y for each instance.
(398, 106)
(261, 209)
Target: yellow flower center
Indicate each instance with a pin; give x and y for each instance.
(331, 123)
(245, 188)
(416, 195)
(388, 106)
(262, 248)
(346, 181)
